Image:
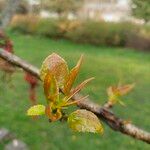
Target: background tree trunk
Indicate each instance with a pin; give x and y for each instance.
(8, 13)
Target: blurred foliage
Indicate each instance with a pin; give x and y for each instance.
(49, 28)
(26, 24)
(102, 33)
(141, 9)
(89, 31)
(62, 7)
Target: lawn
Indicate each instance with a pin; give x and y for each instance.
(108, 65)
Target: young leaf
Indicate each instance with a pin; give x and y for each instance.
(56, 65)
(81, 86)
(84, 121)
(51, 89)
(115, 92)
(66, 102)
(72, 76)
(125, 89)
(120, 90)
(53, 116)
(112, 96)
(36, 110)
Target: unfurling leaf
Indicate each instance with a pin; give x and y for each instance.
(81, 86)
(36, 110)
(72, 76)
(51, 88)
(57, 66)
(84, 121)
(53, 115)
(115, 92)
(112, 96)
(125, 89)
(67, 102)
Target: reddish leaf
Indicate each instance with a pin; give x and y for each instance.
(120, 90)
(115, 92)
(51, 89)
(68, 103)
(72, 76)
(125, 89)
(56, 65)
(81, 86)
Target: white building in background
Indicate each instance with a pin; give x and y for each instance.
(108, 10)
(33, 2)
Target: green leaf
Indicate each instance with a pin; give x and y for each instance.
(36, 110)
(84, 121)
(57, 66)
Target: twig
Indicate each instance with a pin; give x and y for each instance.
(108, 105)
(116, 123)
(16, 61)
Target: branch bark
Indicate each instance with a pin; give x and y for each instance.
(114, 122)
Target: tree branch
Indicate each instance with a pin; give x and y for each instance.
(115, 123)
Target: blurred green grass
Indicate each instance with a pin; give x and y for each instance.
(108, 65)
